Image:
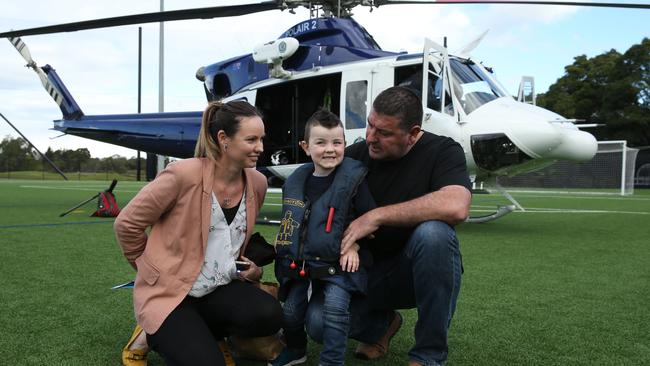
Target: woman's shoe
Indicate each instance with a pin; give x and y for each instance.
(134, 357)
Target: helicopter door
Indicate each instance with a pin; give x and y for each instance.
(436, 81)
(355, 93)
(286, 106)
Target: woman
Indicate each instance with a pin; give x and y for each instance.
(188, 292)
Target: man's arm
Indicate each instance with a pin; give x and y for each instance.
(449, 204)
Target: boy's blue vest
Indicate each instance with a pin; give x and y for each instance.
(303, 234)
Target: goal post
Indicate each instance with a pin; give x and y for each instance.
(611, 171)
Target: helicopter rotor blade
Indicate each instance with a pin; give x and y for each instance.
(235, 10)
(164, 16)
(22, 49)
(516, 2)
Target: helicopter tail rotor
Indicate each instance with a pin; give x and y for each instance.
(50, 81)
(21, 47)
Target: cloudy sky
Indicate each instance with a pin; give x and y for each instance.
(99, 67)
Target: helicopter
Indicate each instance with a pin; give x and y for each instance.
(331, 61)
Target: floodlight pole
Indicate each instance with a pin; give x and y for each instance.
(161, 81)
(35, 148)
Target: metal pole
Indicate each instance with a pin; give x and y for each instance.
(161, 62)
(35, 148)
(161, 81)
(623, 168)
(138, 167)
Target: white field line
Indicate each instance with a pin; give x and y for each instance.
(628, 198)
(565, 210)
(85, 188)
(528, 209)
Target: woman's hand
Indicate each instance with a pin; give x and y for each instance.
(252, 274)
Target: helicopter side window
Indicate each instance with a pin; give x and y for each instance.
(411, 77)
(356, 95)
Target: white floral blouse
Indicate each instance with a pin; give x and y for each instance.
(224, 242)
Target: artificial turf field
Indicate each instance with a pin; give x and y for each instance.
(565, 283)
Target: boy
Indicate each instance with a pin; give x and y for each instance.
(319, 201)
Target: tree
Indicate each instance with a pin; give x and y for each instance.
(627, 102)
(17, 154)
(610, 89)
(70, 160)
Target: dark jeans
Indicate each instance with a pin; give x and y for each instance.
(190, 333)
(335, 319)
(426, 275)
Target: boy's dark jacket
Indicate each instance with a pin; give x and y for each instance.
(303, 235)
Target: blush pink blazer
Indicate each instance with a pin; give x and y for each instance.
(177, 207)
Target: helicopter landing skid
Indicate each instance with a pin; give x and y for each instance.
(501, 211)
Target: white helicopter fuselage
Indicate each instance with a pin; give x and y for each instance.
(461, 100)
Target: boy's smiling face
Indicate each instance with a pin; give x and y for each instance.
(326, 147)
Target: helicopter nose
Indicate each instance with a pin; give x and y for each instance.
(576, 145)
(538, 132)
(551, 136)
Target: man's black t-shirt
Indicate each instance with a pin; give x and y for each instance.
(432, 163)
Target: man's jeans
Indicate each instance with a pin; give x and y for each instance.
(425, 275)
(335, 319)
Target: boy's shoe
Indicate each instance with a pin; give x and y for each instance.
(227, 356)
(373, 351)
(289, 357)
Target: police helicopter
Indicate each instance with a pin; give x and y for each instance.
(331, 61)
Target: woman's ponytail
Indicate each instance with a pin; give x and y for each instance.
(206, 146)
(224, 117)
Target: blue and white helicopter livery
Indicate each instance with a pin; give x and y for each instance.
(331, 61)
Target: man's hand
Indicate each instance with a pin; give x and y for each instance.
(363, 226)
(350, 260)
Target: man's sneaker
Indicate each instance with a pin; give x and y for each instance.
(373, 351)
(289, 357)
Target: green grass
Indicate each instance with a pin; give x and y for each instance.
(541, 287)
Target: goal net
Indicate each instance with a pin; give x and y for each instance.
(611, 171)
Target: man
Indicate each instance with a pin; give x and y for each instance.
(420, 184)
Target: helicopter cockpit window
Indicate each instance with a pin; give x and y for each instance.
(356, 95)
(472, 86)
